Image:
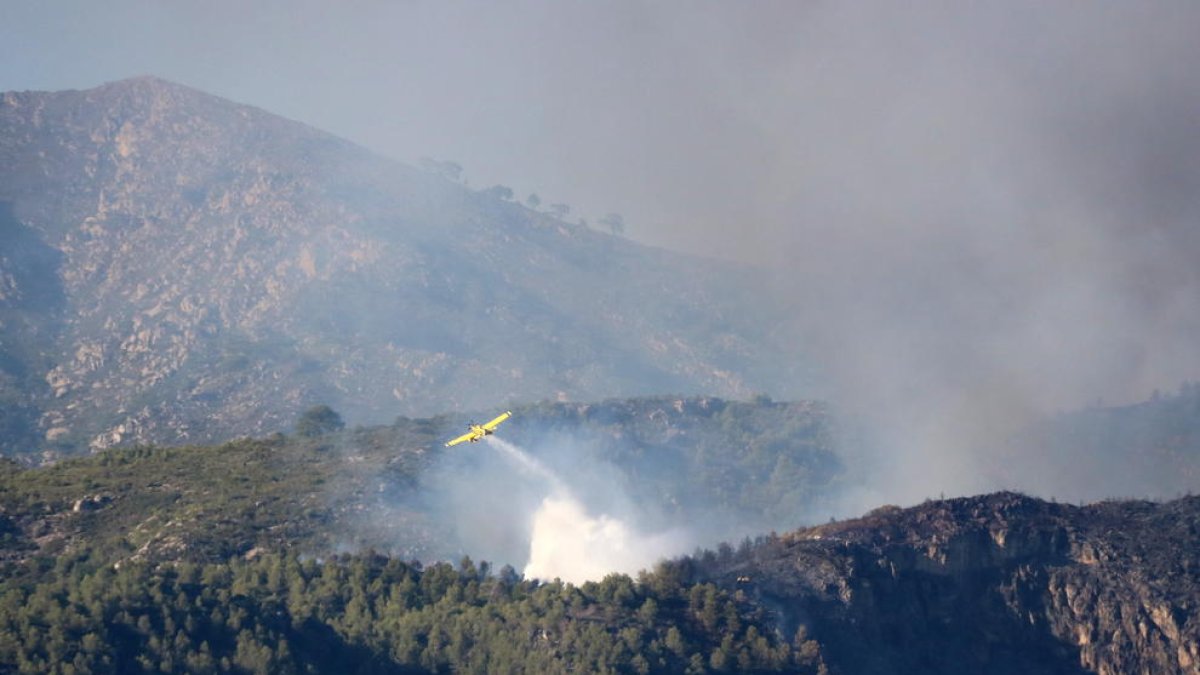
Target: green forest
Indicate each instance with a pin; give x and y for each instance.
(368, 613)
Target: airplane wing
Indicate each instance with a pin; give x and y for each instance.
(491, 426)
(461, 439)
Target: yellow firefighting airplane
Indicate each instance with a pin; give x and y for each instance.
(478, 431)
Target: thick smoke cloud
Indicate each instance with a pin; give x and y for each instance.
(1001, 224)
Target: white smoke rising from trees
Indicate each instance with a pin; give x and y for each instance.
(569, 542)
(573, 545)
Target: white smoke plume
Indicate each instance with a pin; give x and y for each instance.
(570, 542)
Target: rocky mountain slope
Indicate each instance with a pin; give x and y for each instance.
(995, 584)
(175, 267)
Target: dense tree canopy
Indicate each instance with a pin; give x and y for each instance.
(374, 614)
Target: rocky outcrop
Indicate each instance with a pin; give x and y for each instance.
(995, 584)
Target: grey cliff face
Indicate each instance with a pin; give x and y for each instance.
(211, 270)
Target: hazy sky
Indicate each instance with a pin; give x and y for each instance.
(979, 209)
(713, 127)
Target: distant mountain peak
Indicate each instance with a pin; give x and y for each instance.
(151, 90)
(144, 81)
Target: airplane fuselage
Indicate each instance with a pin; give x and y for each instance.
(479, 432)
